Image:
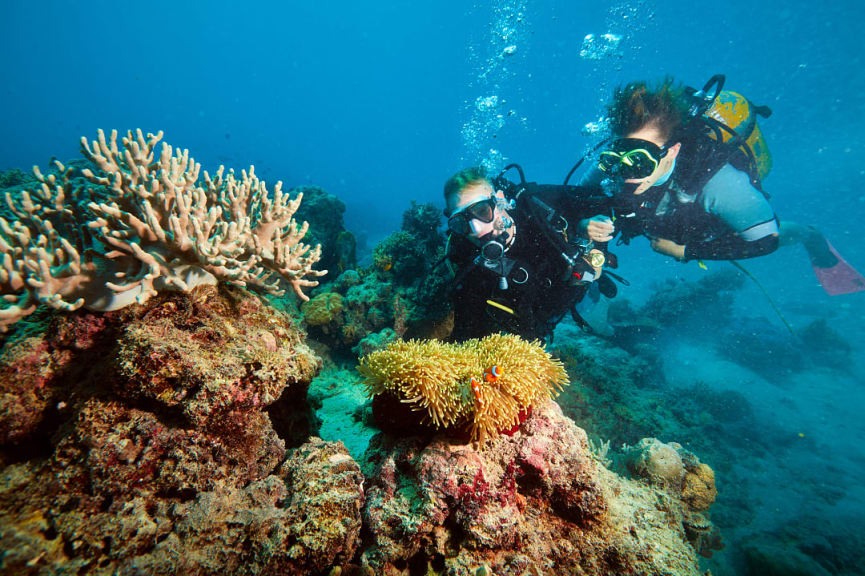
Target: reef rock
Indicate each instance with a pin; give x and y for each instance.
(681, 474)
(145, 445)
(530, 503)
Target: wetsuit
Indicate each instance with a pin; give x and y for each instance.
(715, 212)
(532, 287)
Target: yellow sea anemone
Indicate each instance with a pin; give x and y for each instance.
(435, 378)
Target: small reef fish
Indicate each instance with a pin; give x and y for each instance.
(476, 389)
(492, 373)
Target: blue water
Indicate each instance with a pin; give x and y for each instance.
(380, 102)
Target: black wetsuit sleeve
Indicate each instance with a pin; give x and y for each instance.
(730, 247)
(576, 201)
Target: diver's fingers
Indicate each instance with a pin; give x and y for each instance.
(600, 231)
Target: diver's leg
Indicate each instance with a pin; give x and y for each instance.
(819, 250)
(834, 273)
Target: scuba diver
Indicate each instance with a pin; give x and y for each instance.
(520, 266)
(684, 168)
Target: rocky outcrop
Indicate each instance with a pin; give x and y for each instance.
(156, 450)
(534, 502)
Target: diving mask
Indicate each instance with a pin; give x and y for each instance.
(631, 158)
(483, 211)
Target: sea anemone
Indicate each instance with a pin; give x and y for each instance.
(435, 379)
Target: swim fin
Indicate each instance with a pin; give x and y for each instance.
(834, 273)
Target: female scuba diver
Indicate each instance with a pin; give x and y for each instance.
(679, 174)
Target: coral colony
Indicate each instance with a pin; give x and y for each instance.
(149, 226)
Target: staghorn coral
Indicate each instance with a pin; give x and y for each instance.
(434, 378)
(147, 224)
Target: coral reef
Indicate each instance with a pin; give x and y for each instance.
(535, 502)
(351, 308)
(374, 341)
(709, 300)
(422, 221)
(759, 345)
(403, 290)
(824, 346)
(451, 386)
(809, 545)
(774, 353)
(681, 474)
(13, 178)
(323, 310)
(145, 223)
(324, 212)
(145, 445)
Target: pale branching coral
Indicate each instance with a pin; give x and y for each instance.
(39, 265)
(155, 226)
(436, 379)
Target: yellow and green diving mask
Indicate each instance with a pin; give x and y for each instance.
(631, 158)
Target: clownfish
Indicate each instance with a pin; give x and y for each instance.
(476, 389)
(492, 373)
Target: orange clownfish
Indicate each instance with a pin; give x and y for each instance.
(492, 373)
(476, 389)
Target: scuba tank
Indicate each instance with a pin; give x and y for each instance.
(732, 121)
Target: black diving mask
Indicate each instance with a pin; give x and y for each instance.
(482, 211)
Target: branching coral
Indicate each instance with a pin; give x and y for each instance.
(38, 262)
(435, 378)
(153, 225)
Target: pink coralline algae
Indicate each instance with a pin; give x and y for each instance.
(536, 502)
(144, 445)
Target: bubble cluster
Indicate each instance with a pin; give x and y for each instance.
(489, 112)
(601, 47)
(485, 103)
(600, 127)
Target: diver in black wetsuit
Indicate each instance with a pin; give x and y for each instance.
(519, 265)
(692, 195)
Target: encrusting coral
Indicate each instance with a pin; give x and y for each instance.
(454, 385)
(146, 224)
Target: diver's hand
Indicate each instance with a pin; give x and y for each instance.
(668, 247)
(597, 228)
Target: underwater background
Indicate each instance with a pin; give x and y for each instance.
(378, 103)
